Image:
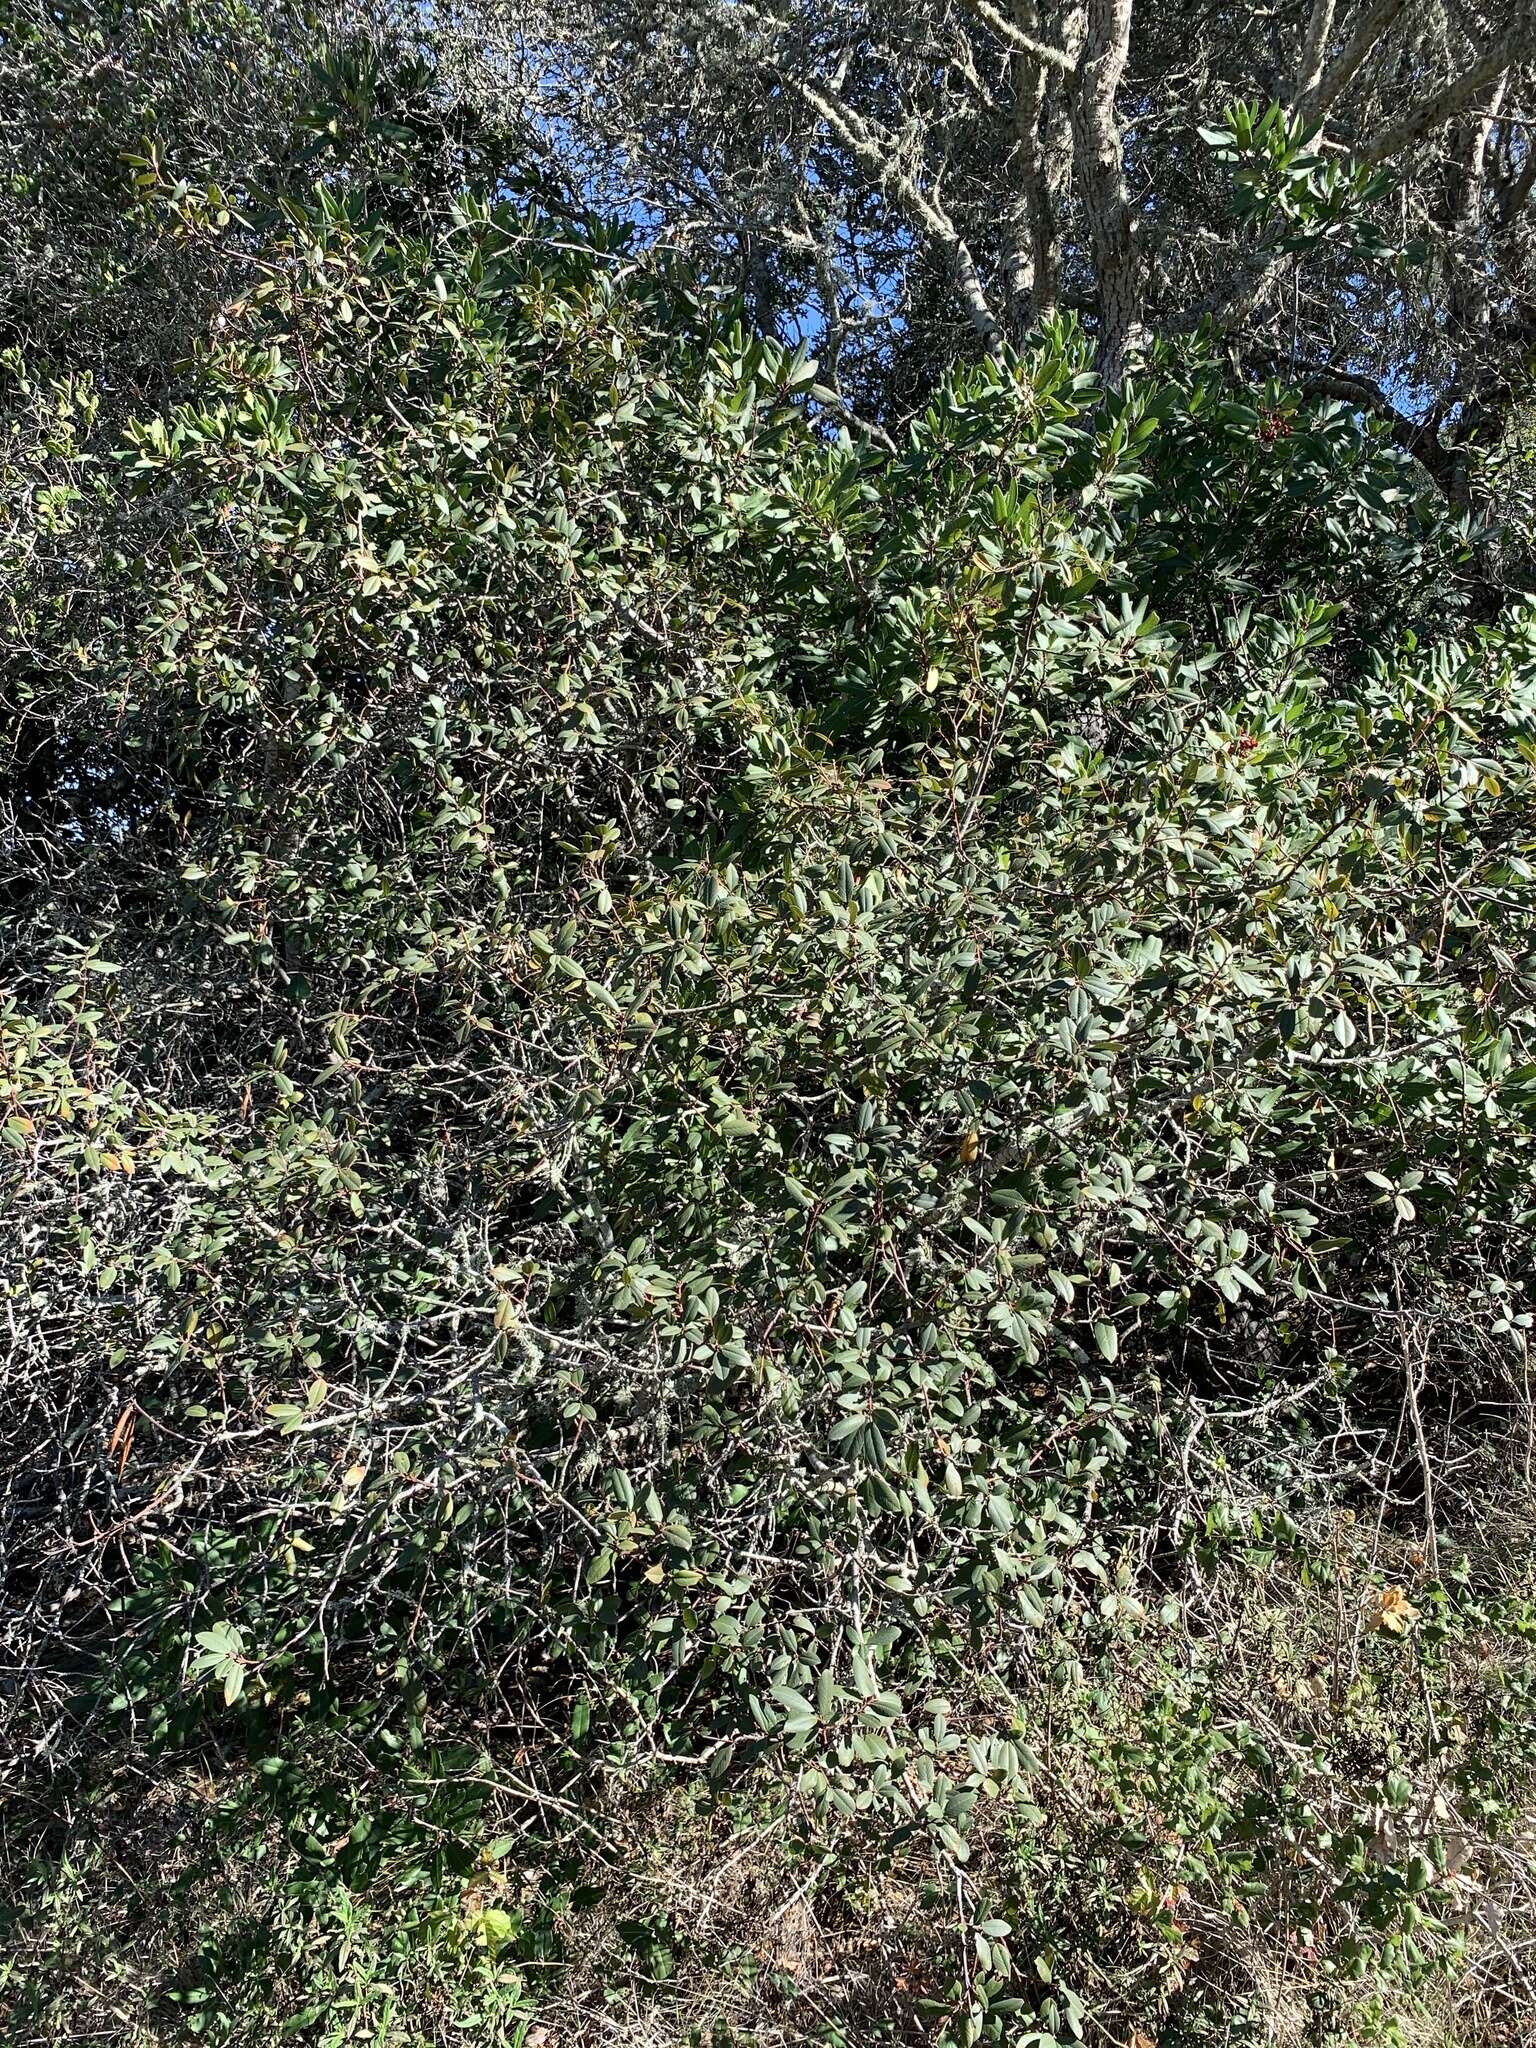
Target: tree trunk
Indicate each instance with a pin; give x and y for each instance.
(1100, 171)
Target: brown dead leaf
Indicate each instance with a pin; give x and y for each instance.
(1392, 1611)
(969, 1147)
(120, 1443)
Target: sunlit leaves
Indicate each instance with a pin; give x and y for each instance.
(704, 1015)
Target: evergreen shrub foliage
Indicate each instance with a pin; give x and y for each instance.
(689, 1101)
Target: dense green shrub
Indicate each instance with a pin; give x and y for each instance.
(686, 1098)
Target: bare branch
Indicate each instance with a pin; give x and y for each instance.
(1418, 438)
(1368, 32)
(1017, 37)
(874, 159)
(1452, 99)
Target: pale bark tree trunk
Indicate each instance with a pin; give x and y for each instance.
(1467, 158)
(1042, 169)
(1099, 166)
(1056, 151)
(1028, 246)
(1314, 52)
